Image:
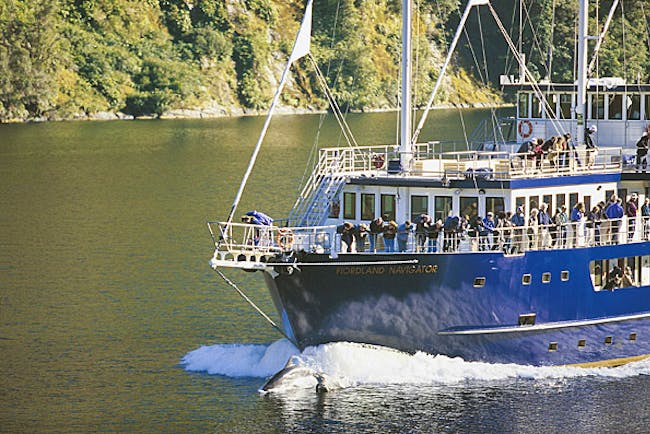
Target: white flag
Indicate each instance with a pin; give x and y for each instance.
(301, 46)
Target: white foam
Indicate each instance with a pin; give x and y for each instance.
(348, 364)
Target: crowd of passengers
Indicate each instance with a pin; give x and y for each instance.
(558, 149)
(510, 232)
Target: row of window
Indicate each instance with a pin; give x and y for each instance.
(419, 205)
(582, 343)
(526, 279)
(599, 105)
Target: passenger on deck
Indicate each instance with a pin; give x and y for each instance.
(520, 237)
(561, 220)
(533, 230)
(433, 232)
(642, 151)
(631, 211)
(593, 226)
(645, 214)
(390, 231)
(615, 279)
(488, 225)
(544, 221)
(421, 231)
(361, 236)
(590, 144)
(614, 212)
(628, 278)
(376, 228)
(450, 228)
(404, 231)
(576, 228)
(347, 237)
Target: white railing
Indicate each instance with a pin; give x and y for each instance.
(464, 164)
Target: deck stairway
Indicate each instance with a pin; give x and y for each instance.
(313, 204)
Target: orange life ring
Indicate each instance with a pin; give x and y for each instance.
(378, 161)
(284, 239)
(525, 128)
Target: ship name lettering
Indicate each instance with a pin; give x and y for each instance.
(359, 271)
(413, 269)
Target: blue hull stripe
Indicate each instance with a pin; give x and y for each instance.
(547, 326)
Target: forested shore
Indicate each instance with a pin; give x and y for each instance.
(105, 59)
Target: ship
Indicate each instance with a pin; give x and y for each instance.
(479, 274)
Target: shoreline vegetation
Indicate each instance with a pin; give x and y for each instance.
(224, 113)
(124, 59)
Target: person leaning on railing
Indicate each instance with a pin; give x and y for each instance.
(630, 212)
(645, 215)
(544, 222)
(614, 212)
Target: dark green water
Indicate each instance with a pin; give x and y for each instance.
(105, 286)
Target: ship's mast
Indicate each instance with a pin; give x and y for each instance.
(581, 102)
(405, 149)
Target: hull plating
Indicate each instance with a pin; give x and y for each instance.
(436, 307)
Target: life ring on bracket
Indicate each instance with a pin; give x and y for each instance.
(525, 128)
(284, 239)
(378, 160)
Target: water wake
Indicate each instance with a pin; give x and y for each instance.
(348, 364)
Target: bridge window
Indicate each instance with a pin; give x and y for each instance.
(494, 204)
(598, 106)
(388, 207)
(469, 207)
(633, 103)
(367, 206)
(566, 100)
(350, 206)
(443, 205)
(419, 206)
(537, 108)
(523, 105)
(615, 106)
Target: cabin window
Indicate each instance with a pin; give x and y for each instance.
(526, 279)
(335, 209)
(564, 275)
(469, 207)
(633, 104)
(520, 201)
(419, 206)
(560, 199)
(647, 107)
(598, 106)
(552, 347)
(551, 99)
(367, 206)
(523, 105)
(612, 274)
(495, 205)
(608, 194)
(443, 205)
(573, 200)
(548, 200)
(582, 343)
(546, 277)
(479, 282)
(533, 202)
(587, 201)
(566, 100)
(615, 106)
(350, 206)
(537, 108)
(388, 207)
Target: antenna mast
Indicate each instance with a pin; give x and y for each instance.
(405, 148)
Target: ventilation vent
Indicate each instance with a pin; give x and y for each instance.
(582, 343)
(608, 340)
(552, 346)
(527, 319)
(479, 282)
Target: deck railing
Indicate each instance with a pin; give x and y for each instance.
(430, 162)
(241, 243)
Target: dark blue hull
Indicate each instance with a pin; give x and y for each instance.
(438, 306)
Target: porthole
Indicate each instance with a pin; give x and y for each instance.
(564, 275)
(552, 346)
(608, 340)
(526, 279)
(527, 319)
(479, 282)
(582, 343)
(546, 277)
(633, 337)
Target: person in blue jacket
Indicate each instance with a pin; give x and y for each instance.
(614, 213)
(403, 232)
